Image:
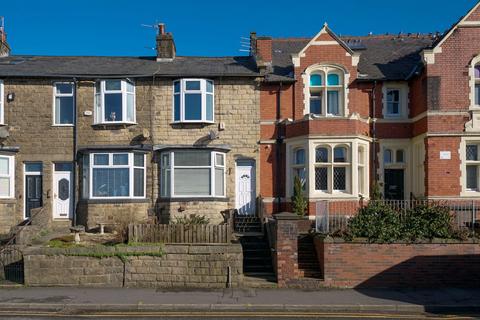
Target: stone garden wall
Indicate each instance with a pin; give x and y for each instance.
(182, 266)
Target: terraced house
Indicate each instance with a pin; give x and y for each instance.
(100, 139)
(345, 113)
(104, 139)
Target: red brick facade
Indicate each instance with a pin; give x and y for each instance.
(438, 109)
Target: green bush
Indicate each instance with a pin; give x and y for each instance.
(381, 223)
(193, 219)
(299, 203)
(377, 222)
(428, 222)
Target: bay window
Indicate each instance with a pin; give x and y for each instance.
(326, 90)
(192, 173)
(7, 179)
(63, 111)
(472, 167)
(332, 169)
(193, 101)
(114, 102)
(114, 175)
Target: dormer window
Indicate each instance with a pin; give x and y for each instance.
(326, 90)
(193, 101)
(114, 102)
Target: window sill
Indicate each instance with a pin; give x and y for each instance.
(193, 199)
(113, 201)
(182, 124)
(116, 125)
(8, 200)
(63, 125)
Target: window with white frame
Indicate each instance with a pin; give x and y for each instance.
(7, 178)
(63, 103)
(192, 173)
(326, 90)
(114, 102)
(114, 175)
(298, 166)
(2, 103)
(193, 101)
(477, 85)
(332, 168)
(472, 164)
(395, 100)
(362, 179)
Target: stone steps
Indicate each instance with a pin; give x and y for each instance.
(308, 266)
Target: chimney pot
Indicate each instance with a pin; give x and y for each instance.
(161, 28)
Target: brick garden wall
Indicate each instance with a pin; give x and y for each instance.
(184, 266)
(435, 264)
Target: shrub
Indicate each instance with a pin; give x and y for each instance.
(428, 222)
(192, 220)
(299, 203)
(377, 222)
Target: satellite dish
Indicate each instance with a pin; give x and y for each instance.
(212, 135)
(4, 133)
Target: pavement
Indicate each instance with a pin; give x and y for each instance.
(123, 300)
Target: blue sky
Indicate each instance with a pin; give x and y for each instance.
(209, 28)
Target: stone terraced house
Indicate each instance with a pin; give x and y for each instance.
(108, 139)
(101, 139)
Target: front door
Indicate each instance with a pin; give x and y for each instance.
(33, 188)
(62, 191)
(394, 184)
(245, 187)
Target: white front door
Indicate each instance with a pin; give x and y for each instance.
(62, 195)
(245, 187)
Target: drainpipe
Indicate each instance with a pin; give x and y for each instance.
(75, 147)
(374, 131)
(278, 149)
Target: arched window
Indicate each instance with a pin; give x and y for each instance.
(326, 97)
(477, 84)
(399, 156)
(387, 156)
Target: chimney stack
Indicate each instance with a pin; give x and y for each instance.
(4, 47)
(165, 44)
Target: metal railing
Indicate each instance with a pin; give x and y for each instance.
(333, 216)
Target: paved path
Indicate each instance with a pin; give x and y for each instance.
(105, 299)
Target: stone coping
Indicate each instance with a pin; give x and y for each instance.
(336, 240)
(167, 249)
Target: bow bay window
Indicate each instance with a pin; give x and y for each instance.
(7, 168)
(298, 166)
(192, 174)
(326, 91)
(2, 103)
(114, 102)
(63, 103)
(193, 101)
(114, 175)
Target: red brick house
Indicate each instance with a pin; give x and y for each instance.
(343, 113)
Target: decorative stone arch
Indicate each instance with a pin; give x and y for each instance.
(474, 123)
(324, 67)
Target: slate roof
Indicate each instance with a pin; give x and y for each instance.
(88, 66)
(381, 57)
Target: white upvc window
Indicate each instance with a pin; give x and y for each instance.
(2, 103)
(192, 174)
(63, 103)
(332, 168)
(395, 100)
(114, 102)
(7, 177)
(362, 170)
(193, 101)
(115, 175)
(326, 91)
